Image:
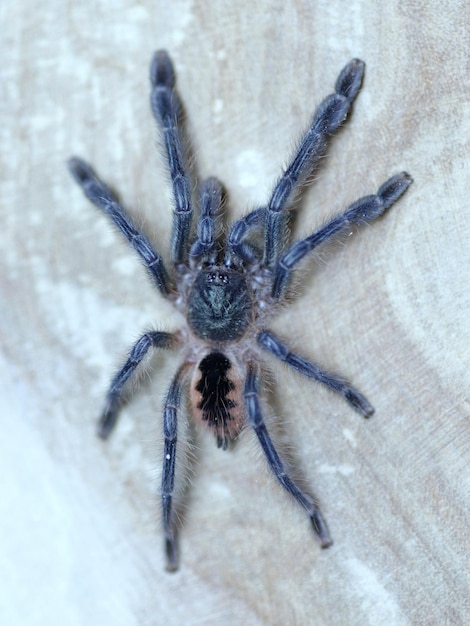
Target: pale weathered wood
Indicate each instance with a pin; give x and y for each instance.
(80, 541)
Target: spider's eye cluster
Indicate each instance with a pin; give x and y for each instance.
(218, 278)
(219, 304)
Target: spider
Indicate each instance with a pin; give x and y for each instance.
(227, 287)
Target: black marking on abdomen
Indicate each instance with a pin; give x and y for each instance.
(215, 387)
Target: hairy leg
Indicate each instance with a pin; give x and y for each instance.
(363, 210)
(102, 197)
(170, 423)
(114, 398)
(326, 120)
(255, 416)
(270, 342)
(166, 108)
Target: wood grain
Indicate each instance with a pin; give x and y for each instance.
(80, 538)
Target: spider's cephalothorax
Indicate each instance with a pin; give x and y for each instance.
(227, 289)
(219, 304)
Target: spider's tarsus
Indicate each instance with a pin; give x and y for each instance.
(171, 551)
(393, 188)
(105, 425)
(321, 529)
(359, 403)
(80, 170)
(371, 207)
(350, 80)
(162, 72)
(94, 188)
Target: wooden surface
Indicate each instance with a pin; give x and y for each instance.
(80, 538)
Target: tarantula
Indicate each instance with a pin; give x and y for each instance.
(228, 287)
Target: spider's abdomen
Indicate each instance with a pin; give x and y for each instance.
(215, 395)
(219, 305)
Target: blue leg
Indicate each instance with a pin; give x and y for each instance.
(102, 197)
(326, 120)
(170, 423)
(166, 108)
(364, 210)
(255, 416)
(114, 397)
(270, 342)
